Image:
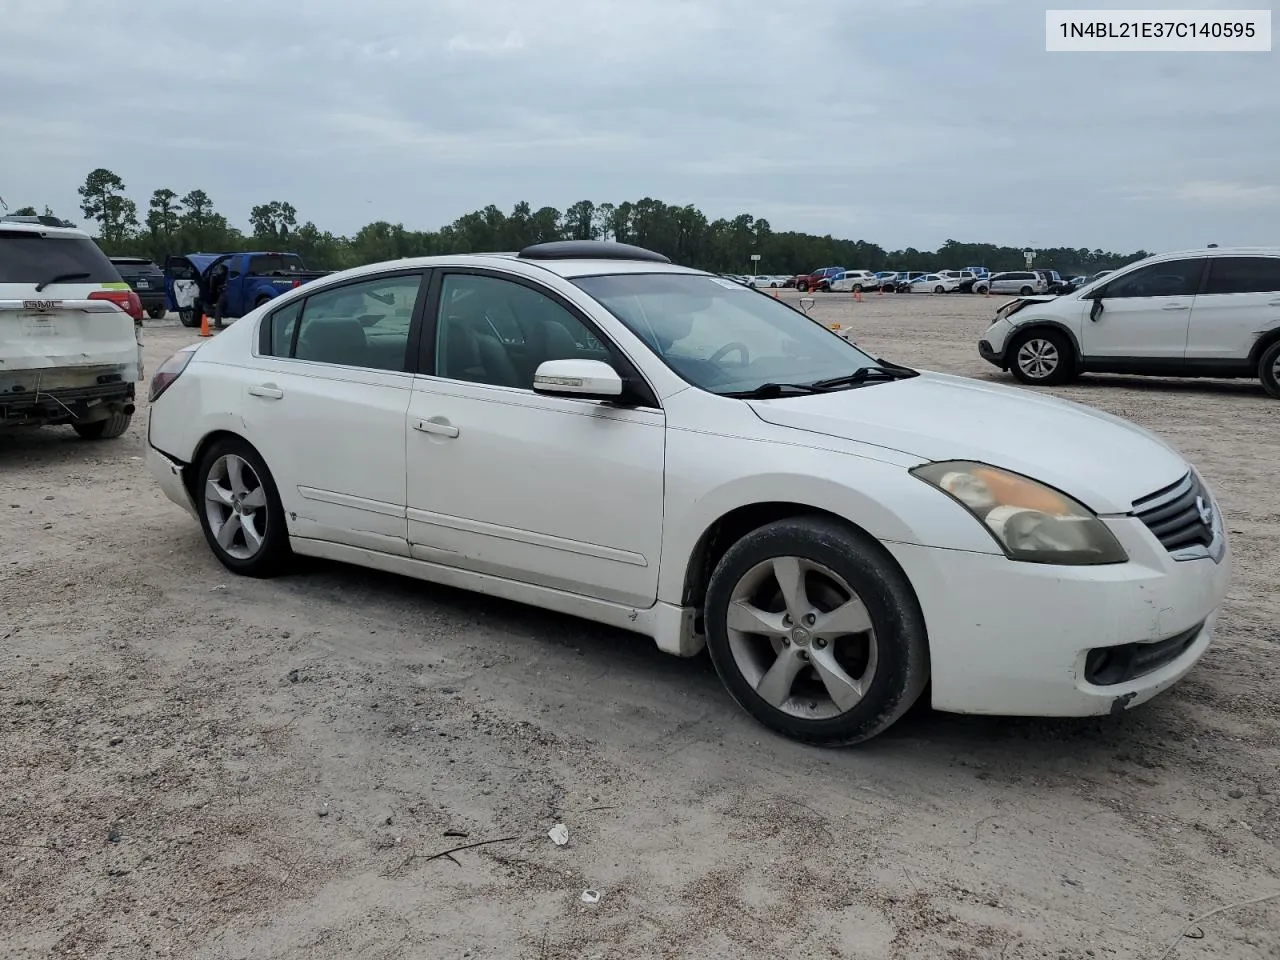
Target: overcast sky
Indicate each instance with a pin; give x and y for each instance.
(902, 123)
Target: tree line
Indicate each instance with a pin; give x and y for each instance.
(175, 223)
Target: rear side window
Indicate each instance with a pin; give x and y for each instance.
(28, 257)
(1243, 275)
(280, 327)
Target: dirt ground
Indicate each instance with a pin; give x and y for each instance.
(197, 765)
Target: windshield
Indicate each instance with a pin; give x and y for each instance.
(722, 337)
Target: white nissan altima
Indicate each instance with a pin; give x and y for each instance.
(585, 427)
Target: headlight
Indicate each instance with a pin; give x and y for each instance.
(1030, 521)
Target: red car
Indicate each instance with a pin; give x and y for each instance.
(819, 279)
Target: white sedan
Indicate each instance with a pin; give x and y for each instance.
(587, 428)
(935, 283)
(765, 280)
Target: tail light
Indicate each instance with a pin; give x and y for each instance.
(169, 371)
(126, 300)
(297, 284)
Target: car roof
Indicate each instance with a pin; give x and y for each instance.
(1218, 252)
(17, 226)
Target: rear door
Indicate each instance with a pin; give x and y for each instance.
(52, 334)
(1240, 301)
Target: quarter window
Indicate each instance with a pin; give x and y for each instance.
(355, 325)
(499, 332)
(1243, 275)
(1172, 278)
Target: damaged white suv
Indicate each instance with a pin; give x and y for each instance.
(70, 331)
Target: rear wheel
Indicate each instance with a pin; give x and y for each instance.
(816, 632)
(188, 316)
(1269, 369)
(1025, 291)
(981, 288)
(108, 429)
(156, 313)
(240, 510)
(939, 289)
(1042, 358)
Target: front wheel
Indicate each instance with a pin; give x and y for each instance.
(1042, 358)
(1269, 369)
(156, 313)
(816, 632)
(980, 288)
(240, 510)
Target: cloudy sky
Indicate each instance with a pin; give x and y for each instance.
(902, 123)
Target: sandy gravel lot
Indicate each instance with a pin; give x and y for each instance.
(199, 766)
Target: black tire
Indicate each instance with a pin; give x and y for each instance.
(1025, 292)
(156, 313)
(939, 289)
(857, 288)
(802, 287)
(1269, 369)
(901, 669)
(187, 316)
(981, 287)
(1057, 358)
(272, 556)
(108, 429)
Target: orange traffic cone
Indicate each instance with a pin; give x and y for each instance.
(204, 325)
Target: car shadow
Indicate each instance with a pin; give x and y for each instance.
(697, 712)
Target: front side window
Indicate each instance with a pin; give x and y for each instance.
(721, 337)
(498, 332)
(1243, 275)
(1172, 278)
(358, 324)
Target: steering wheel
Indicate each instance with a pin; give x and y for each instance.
(738, 346)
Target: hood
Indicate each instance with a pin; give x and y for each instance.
(1103, 461)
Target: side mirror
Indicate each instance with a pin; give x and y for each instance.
(1095, 309)
(584, 379)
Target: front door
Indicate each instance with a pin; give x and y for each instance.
(329, 398)
(1145, 314)
(561, 493)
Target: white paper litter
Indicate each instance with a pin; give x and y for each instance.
(559, 834)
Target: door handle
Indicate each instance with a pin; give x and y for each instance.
(437, 427)
(268, 391)
(1174, 306)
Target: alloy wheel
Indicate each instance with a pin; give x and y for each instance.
(1038, 358)
(235, 503)
(801, 638)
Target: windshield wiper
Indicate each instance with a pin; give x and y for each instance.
(767, 391)
(864, 375)
(59, 278)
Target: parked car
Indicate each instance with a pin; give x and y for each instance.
(820, 279)
(1022, 282)
(1200, 313)
(905, 278)
(70, 331)
(252, 279)
(853, 280)
(147, 281)
(965, 279)
(832, 527)
(765, 280)
(933, 283)
(886, 280)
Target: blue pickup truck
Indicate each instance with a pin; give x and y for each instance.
(251, 280)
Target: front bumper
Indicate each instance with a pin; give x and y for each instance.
(1014, 639)
(988, 353)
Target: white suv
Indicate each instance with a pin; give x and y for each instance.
(70, 331)
(1199, 313)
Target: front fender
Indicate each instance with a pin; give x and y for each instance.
(721, 476)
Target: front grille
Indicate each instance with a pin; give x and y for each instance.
(1107, 666)
(1180, 515)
